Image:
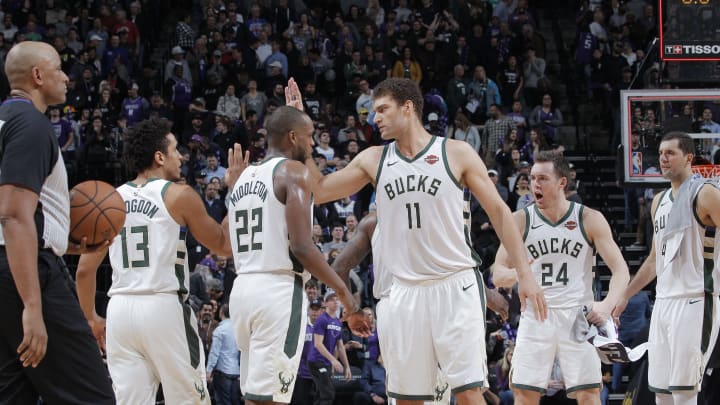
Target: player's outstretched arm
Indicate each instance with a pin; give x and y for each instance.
(292, 181)
(598, 231)
(356, 249)
(645, 274)
(347, 181)
(85, 280)
(186, 207)
(473, 174)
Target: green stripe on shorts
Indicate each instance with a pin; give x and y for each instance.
(293, 332)
(411, 397)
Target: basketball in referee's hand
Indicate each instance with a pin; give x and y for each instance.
(97, 212)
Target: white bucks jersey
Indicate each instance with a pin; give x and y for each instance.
(258, 229)
(563, 258)
(148, 255)
(684, 265)
(383, 277)
(420, 204)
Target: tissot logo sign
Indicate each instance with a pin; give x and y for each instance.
(691, 51)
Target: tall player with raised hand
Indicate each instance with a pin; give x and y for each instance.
(560, 239)
(270, 210)
(437, 298)
(684, 258)
(152, 333)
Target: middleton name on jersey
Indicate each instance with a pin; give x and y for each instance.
(553, 245)
(251, 187)
(411, 183)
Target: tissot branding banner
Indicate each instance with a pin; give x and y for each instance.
(695, 50)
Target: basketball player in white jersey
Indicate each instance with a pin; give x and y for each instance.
(684, 322)
(437, 298)
(367, 240)
(152, 333)
(270, 211)
(561, 238)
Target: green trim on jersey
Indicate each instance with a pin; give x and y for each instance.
(267, 159)
(447, 165)
(259, 398)
(527, 223)
(408, 397)
(164, 190)
(475, 256)
(293, 333)
(150, 180)
(560, 221)
(682, 388)
(582, 387)
(276, 167)
(483, 300)
(660, 201)
(528, 388)
(380, 164)
(671, 196)
(297, 266)
(707, 313)
(193, 340)
(582, 226)
(658, 390)
(476, 384)
(416, 157)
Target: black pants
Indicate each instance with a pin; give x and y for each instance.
(72, 371)
(302, 395)
(324, 388)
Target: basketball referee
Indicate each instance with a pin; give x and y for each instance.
(46, 347)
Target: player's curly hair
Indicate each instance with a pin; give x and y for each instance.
(401, 90)
(143, 140)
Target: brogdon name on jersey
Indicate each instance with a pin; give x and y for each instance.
(148, 255)
(421, 204)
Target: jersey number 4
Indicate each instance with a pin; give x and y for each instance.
(244, 227)
(548, 274)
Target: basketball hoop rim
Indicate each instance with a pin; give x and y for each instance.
(706, 171)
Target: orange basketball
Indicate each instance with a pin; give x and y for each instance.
(97, 211)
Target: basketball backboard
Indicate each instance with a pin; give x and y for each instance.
(647, 115)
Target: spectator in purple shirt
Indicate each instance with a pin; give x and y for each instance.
(135, 107)
(304, 384)
(327, 338)
(373, 375)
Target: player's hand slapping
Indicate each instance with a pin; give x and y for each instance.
(237, 162)
(530, 291)
(33, 347)
(293, 98)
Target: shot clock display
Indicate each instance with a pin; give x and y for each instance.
(690, 30)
